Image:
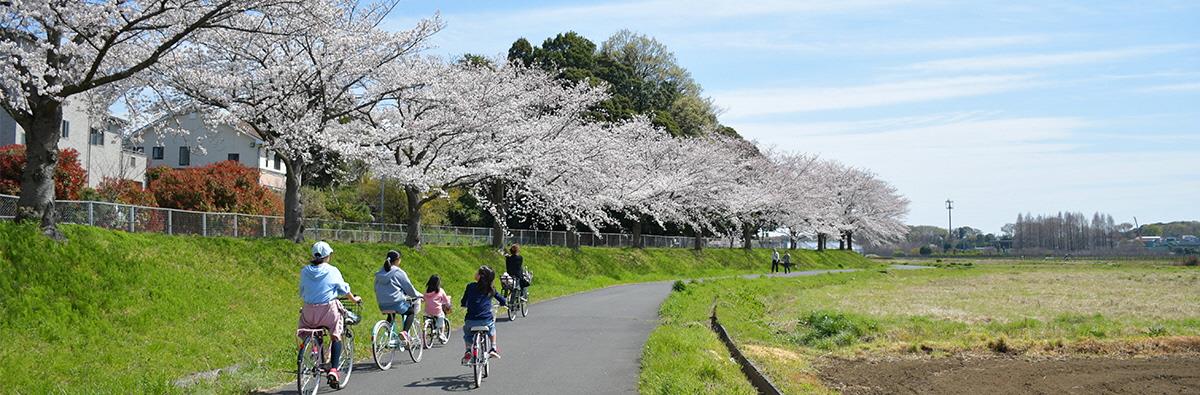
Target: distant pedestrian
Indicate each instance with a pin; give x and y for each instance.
(774, 261)
(787, 262)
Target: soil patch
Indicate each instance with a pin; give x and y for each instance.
(1173, 374)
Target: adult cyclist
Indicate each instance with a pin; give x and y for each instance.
(514, 264)
(321, 284)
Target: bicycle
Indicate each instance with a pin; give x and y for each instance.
(314, 353)
(480, 346)
(432, 334)
(518, 300)
(385, 341)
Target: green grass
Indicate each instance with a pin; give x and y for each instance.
(784, 325)
(114, 312)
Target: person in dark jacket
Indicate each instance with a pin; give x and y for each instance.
(477, 300)
(514, 264)
(787, 262)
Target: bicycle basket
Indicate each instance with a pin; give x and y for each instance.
(352, 315)
(507, 282)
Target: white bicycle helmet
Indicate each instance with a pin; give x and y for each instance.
(321, 250)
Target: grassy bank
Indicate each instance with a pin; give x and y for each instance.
(787, 325)
(115, 312)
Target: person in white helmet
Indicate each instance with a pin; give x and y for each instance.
(320, 286)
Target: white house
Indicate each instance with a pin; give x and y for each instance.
(101, 152)
(185, 141)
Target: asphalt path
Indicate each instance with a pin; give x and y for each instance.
(587, 343)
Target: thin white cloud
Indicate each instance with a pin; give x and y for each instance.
(754, 102)
(700, 9)
(774, 40)
(1181, 87)
(1005, 62)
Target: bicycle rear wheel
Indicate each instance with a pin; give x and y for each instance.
(478, 358)
(524, 297)
(381, 336)
(416, 336)
(346, 364)
(308, 366)
(508, 296)
(431, 331)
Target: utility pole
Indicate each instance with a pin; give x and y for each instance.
(950, 224)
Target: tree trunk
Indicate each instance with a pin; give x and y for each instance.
(413, 230)
(36, 202)
(573, 236)
(747, 235)
(842, 241)
(698, 241)
(500, 225)
(791, 240)
(820, 242)
(850, 240)
(637, 231)
(293, 208)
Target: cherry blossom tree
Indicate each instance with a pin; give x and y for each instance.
(52, 52)
(867, 206)
(469, 123)
(299, 80)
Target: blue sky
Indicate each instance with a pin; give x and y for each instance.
(1003, 106)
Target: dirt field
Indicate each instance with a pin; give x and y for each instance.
(1179, 374)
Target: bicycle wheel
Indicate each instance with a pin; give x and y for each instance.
(346, 364)
(524, 303)
(416, 336)
(430, 329)
(308, 366)
(445, 332)
(381, 335)
(478, 356)
(487, 357)
(512, 315)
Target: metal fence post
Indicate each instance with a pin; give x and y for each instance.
(91, 214)
(264, 226)
(235, 225)
(132, 218)
(204, 224)
(170, 222)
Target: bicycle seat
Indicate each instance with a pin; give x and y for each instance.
(310, 332)
(483, 328)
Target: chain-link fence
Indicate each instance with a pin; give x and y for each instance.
(132, 218)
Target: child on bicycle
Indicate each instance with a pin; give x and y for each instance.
(320, 285)
(392, 291)
(437, 304)
(477, 299)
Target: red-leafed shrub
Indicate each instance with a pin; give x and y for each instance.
(69, 176)
(221, 187)
(125, 191)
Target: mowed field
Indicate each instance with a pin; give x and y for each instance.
(962, 327)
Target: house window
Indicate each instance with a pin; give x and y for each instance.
(156, 153)
(185, 156)
(140, 150)
(66, 129)
(96, 137)
(278, 162)
(132, 162)
(235, 157)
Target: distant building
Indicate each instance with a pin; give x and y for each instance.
(99, 142)
(186, 141)
(1150, 241)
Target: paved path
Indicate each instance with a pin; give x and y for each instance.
(588, 343)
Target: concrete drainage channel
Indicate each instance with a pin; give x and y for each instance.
(756, 377)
